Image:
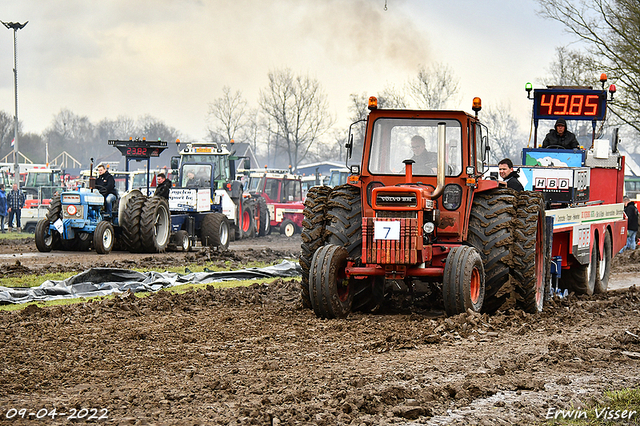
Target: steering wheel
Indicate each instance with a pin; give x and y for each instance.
(556, 147)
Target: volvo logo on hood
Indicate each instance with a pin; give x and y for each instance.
(396, 199)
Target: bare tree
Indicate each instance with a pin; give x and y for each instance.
(610, 31)
(571, 68)
(434, 87)
(505, 137)
(298, 107)
(228, 114)
(6, 132)
(75, 134)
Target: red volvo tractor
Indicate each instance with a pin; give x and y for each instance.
(434, 226)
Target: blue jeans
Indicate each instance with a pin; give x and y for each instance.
(17, 214)
(108, 202)
(631, 241)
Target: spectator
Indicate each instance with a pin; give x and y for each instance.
(106, 184)
(163, 186)
(15, 203)
(631, 211)
(3, 207)
(510, 176)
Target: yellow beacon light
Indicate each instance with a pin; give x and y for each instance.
(373, 102)
(477, 104)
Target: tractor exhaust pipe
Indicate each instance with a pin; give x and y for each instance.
(442, 138)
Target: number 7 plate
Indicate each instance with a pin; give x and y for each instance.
(387, 230)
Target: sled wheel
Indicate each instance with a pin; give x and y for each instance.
(288, 228)
(215, 231)
(331, 291)
(463, 283)
(182, 240)
(604, 265)
(44, 236)
(103, 238)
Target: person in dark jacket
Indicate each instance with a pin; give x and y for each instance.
(559, 136)
(510, 176)
(3, 207)
(15, 204)
(631, 211)
(163, 186)
(106, 184)
(425, 162)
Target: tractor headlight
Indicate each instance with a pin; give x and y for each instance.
(452, 196)
(428, 227)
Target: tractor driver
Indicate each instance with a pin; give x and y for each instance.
(560, 137)
(106, 184)
(425, 162)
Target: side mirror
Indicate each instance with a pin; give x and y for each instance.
(175, 162)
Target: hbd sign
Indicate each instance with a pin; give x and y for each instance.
(551, 184)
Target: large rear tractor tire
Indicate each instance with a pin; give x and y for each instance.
(312, 234)
(530, 254)
(55, 209)
(247, 219)
(103, 237)
(215, 231)
(155, 225)
(604, 265)
(45, 238)
(344, 228)
(130, 223)
(331, 292)
(490, 233)
(264, 225)
(582, 278)
(463, 283)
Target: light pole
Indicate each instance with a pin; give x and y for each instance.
(15, 26)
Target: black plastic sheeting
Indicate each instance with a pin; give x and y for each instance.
(103, 281)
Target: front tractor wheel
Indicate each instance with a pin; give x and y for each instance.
(103, 238)
(330, 289)
(463, 283)
(288, 228)
(45, 239)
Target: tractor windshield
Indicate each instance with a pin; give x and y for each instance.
(396, 140)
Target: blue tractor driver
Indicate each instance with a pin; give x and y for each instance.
(106, 184)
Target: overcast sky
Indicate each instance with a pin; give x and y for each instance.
(170, 58)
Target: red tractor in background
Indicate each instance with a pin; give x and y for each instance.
(280, 192)
(444, 232)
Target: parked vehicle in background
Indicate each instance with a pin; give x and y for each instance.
(281, 192)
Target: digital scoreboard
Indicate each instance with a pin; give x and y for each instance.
(139, 148)
(570, 104)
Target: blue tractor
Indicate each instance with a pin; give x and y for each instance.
(76, 220)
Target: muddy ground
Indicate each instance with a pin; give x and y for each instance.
(255, 356)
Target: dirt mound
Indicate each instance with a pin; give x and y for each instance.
(253, 355)
(627, 261)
